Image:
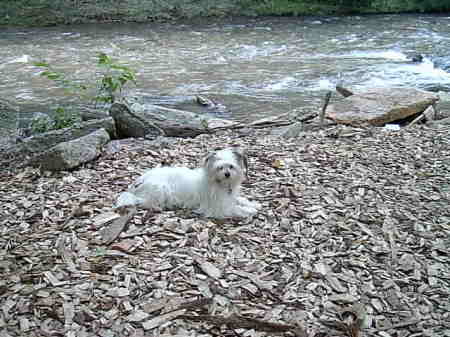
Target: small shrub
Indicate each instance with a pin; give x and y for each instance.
(61, 119)
(113, 80)
(108, 88)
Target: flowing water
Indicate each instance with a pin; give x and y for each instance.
(257, 67)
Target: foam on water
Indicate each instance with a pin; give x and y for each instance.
(282, 84)
(377, 54)
(21, 59)
(388, 75)
(323, 84)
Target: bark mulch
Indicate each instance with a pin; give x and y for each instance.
(353, 240)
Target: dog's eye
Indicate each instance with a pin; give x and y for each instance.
(231, 167)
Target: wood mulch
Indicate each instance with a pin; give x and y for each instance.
(353, 240)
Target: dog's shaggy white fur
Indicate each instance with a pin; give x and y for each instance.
(212, 190)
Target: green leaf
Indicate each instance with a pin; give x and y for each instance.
(104, 59)
(41, 64)
(51, 75)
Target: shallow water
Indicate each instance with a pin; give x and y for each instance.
(257, 67)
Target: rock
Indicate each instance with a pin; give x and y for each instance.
(44, 141)
(379, 106)
(132, 124)
(442, 62)
(71, 154)
(8, 124)
(415, 57)
(292, 131)
(7, 109)
(38, 123)
(343, 91)
(91, 114)
(151, 121)
(441, 122)
(194, 103)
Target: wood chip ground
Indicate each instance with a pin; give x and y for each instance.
(353, 240)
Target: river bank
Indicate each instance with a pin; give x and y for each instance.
(50, 13)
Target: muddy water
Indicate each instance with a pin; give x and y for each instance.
(256, 67)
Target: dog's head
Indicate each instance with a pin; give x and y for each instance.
(227, 167)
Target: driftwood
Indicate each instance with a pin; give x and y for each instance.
(324, 108)
(241, 322)
(152, 120)
(428, 115)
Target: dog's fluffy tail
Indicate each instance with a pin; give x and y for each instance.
(127, 199)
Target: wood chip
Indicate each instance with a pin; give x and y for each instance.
(160, 320)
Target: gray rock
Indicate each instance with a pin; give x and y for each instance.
(379, 106)
(292, 131)
(7, 109)
(8, 124)
(441, 122)
(91, 114)
(150, 121)
(37, 123)
(442, 62)
(71, 154)
(43, 141)
(130, 124)
(29, 147)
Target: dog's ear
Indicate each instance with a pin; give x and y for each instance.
(241, 156)
(209, 159)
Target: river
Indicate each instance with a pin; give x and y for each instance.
(256, 67)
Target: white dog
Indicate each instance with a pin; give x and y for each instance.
(212, 190)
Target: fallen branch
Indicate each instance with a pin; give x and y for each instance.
(307, 117)
(399, 325)
(261, 123)
(241, 322)
(417, 120)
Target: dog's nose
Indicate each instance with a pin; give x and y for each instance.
(227, 174)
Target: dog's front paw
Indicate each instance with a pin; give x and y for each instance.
(249, 204)
(245, 212)
(256, 205)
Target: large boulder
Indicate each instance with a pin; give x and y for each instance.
(71, 154)
(379, 106)
(29, 147)
(44, 141)
(151, 121)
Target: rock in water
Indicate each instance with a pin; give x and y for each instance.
(379, 106)
(442, 62)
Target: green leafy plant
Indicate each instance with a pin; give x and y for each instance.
(113, 80)
(61, 119)
(60, 78)
(41, 125)
(108, 88)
